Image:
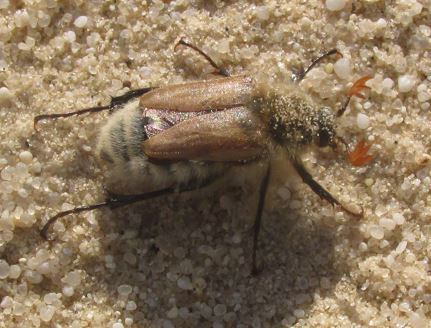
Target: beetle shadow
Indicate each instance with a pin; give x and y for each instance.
(193, 254)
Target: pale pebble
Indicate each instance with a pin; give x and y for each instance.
(335, 5)
(342, 68)
(68, 291)
(26, 157)
(46, 313)
(406, 83)
(398, 218)
(4, 269)
(117, 325)
(387, 224)
(376, 232)
(124, 290)
(81, 21)
(363, 121)
(401, 247)
(5, 93)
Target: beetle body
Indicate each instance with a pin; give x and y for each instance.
(188, 134)
(182, 137)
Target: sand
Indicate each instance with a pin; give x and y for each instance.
(185, 261)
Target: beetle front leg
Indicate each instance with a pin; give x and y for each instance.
(258, 220)
(218, 69)
(318, 189)
(298, 76)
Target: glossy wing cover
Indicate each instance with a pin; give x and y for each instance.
(216, 94)
(224, 130)
(236, 134)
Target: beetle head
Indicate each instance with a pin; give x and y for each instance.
(325, 134)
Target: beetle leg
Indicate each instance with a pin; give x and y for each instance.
(218, 70)
(257, 222)
(115, 102)
(318, 189)
(62, 115)
(129, 95)
(298, 76)
(113, 201)
(313, 184)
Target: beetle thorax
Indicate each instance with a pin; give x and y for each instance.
(295, 122)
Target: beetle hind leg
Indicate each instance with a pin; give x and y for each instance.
(115, 102)
(112, 201)
(129, 95)
(218, 70)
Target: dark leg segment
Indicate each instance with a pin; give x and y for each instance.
(343, 108)
(115, 102)
(258, 220)
(218, 70)
(301, 73)
(113, 201)
(129, 95)
(317, 188)
(118, 200)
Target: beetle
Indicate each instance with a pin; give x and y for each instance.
(183, 137)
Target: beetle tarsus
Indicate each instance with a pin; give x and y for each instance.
(299, 75)
(218, 70)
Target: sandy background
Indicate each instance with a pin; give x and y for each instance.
(185, 261)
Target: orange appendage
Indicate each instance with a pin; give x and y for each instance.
(359, 155)
(339, 54)
(358, 86)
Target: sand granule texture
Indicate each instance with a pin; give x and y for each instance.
(185, 261)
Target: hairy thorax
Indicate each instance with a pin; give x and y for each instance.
(293, 119)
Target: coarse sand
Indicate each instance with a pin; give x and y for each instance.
(184, 261)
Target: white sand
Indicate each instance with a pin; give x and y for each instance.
(189, 265)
